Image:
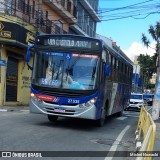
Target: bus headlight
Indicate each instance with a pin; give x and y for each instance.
(81, 106)
(93, 100)
(34, 97)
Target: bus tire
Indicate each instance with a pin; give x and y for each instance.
(119, 114)
(52, 118)
(100, 122)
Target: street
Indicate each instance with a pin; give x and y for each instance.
(22, 131)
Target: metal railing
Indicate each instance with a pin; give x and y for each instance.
(145, 133)
(27, 13)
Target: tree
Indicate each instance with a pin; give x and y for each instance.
(148, 67)
(154, 31)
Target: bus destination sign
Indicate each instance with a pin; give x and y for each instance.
(69, 42)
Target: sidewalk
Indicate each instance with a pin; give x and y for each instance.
(13, 108)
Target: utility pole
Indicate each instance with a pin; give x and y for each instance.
(156, 102)
(39, 16)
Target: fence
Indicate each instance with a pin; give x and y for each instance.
(145, 133)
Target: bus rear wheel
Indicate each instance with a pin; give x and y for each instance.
(52, 118)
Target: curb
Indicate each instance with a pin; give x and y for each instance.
(138, 142)
(14, 109)
(5, 110)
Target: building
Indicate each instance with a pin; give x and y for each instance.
(20, 21)
(136, 78)
(87, 18)
(153, 79)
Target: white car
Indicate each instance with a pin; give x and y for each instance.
(136, 100)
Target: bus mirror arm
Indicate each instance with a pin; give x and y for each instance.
(28, 55)
(29, 67)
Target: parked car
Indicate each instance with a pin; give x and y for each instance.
(148, 98)
(136, 101)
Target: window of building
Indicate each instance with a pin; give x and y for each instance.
(46, 15)
(9, 7)
(33, 9)
(88, 20)
(75, 2)
(69, 6)
(63, 3)
(59, 27)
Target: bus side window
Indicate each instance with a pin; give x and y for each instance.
(104, 55)
(102, 71)
(109, 59)
(113, 62)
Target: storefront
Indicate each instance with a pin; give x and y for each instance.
(14, 74)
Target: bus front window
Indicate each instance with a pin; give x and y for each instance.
(65, 70)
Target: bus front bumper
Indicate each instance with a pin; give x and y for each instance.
(76, 111)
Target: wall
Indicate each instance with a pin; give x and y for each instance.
(24, 78)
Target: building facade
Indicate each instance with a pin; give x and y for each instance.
(136, 79)
(87, 18)
(20, 21)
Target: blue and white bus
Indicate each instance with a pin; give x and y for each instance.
(77, 76)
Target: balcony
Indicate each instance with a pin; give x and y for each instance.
(22, 12)
(65, 8)
(91, 11)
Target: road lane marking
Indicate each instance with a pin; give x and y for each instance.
(117, 141)
(149, 109)
(121, 118)
(132, 116)
(24, 110)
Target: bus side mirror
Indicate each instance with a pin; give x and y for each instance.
(28, 56)
(107, 70)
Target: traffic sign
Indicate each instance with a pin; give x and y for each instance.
(2, 63)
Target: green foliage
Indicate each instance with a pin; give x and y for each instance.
(148, 63)
(148, 67)
(151, 86)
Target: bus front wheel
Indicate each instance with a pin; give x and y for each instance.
(100, 122)
(52, 118)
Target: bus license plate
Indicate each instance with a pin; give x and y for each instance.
(59, 110)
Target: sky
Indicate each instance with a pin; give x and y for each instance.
(127, 32)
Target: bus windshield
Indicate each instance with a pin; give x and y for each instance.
(65, 70)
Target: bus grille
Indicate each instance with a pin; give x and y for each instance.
(74, 104)
(67, 112)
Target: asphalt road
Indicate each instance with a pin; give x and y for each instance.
(22, 131)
